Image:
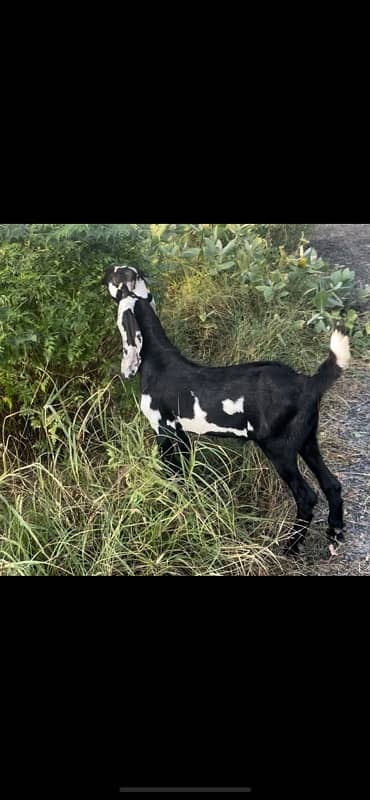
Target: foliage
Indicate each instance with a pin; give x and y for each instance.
(55, 318)
(82, 491)
(279, 275)
(53, 310)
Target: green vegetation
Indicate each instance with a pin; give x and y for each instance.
(82, 491)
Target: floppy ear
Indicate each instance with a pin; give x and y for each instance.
(132, 338)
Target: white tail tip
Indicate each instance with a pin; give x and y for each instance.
(339, 345)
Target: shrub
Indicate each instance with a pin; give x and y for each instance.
(56, 321)
(53, 310)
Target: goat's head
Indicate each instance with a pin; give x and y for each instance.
(121, 280)
(127, 285)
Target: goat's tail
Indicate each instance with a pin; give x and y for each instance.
(332, 368)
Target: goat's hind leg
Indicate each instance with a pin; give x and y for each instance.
(329, 484)
(286, 465)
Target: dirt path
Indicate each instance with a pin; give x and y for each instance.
(348, 420)
(345, 244)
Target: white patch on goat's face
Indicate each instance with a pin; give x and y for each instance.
(131, 360)
(113, 290)
(250, 427)
(124, 266)
(151, 414)
(137, 285)
(199, 424)
(231, 407)
(127, 304)
(141, 289)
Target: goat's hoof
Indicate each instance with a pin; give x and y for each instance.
(335, 536)
(294, 547)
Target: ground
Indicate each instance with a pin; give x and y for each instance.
(346, 421)
(345, 244)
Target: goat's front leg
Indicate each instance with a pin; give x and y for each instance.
(173, 444)
(286, 465)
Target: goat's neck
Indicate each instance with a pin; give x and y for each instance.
(156, 345)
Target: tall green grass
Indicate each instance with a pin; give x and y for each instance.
(96, 500)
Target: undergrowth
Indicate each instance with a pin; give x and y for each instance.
(82, 490)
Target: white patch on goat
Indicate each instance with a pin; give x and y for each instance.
(339, 345)
(127, 304)
(131, 360)
(113, 290)
(124, 266)
(141, 289)
(230, 407)
(199, 423)
(250, 427)
(151, 414)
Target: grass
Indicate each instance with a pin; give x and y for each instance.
(96, 501)
(239, 326)
(90, 496)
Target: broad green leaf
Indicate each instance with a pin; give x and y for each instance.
(192, 252)
(226, 266)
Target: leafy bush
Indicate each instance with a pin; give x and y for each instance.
(53, 310)
(283, 235)
(56, 321)
(251, 255)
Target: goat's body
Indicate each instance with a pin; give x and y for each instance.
(265, 402)
(252, 401)
(221, 401)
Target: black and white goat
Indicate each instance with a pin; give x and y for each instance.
(265, 402)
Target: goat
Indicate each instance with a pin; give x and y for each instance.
(265, 402)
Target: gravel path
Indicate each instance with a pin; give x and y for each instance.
(349, 422)
(345, 244)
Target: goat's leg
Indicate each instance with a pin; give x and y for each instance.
(286, 465)
(183, 442)
(329, 484)
(173, 444)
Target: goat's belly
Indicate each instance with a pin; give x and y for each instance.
(205, 427)
(200, 423)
